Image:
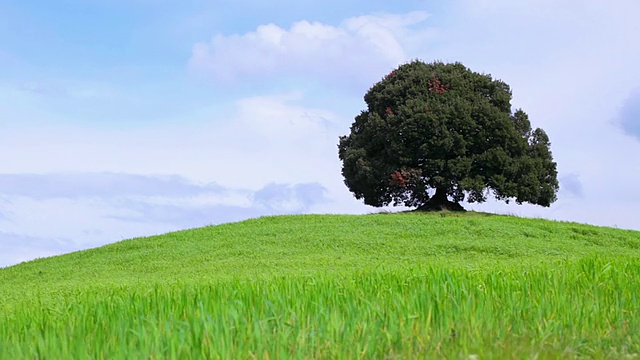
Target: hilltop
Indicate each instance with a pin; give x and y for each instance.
(301, 245)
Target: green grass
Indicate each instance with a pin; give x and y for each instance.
(375, 286)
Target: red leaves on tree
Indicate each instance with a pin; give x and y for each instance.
(398, 180)
(436, 86)
(405, 177)
(389, 111)
(390, 75)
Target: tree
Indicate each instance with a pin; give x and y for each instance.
(434, 132)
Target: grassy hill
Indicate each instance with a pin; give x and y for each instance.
(327, 286)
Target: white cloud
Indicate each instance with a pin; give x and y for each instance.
(628, 118)
(361, 49)
(287, 198)
(571, 185)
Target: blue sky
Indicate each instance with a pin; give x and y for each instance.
(126, 118)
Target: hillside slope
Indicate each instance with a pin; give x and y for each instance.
(408, 285)
(308, 244)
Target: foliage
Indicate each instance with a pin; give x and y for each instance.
(443, 127)
(376, 286)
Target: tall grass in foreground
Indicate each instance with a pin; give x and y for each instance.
(589, 307)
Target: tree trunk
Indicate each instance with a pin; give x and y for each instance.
(439, 202)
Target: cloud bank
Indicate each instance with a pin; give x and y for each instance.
(90, 208)
(354, 51)
(101, 185)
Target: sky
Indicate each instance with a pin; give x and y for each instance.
(128, 118)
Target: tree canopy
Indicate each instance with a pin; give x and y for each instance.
(435, 134)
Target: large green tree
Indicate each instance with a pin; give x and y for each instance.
(435, 134)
